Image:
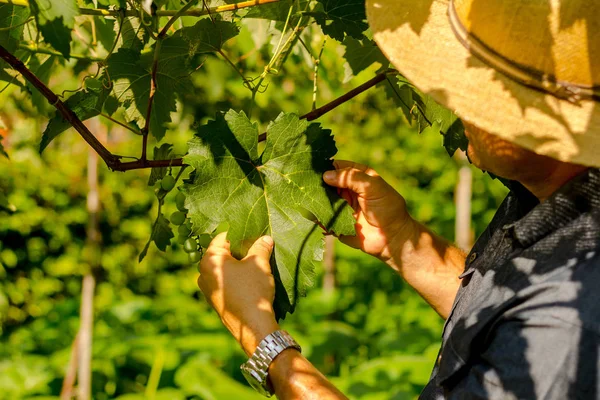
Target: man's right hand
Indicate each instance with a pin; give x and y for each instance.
(384, 229)
(382, 221)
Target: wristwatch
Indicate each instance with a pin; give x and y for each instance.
(256, 369)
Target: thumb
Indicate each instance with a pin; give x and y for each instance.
(262, 249)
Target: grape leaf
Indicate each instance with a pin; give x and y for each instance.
(161, 235)
(11, 31)
(267, 194)
(85, 104)
(133, 35)
(43, 72)
(360, 55)
(427, 113)
(55, 20)
(341, 18)
(131, 72)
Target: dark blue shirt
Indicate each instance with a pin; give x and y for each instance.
(526, 320)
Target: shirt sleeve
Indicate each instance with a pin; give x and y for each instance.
(539, 357)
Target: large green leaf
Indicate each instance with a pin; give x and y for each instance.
(131, 72)
(56, 20)
(267, 194)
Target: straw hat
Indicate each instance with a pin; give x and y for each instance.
(527, 71)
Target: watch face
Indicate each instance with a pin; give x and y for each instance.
(254, 382)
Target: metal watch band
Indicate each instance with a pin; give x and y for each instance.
(268, 349)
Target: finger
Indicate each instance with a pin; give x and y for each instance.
(350, 178)
(219, 245)
(262, 250)
(343, 164)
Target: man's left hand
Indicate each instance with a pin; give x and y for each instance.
(241, 291)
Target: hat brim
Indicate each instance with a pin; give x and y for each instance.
(417, 38)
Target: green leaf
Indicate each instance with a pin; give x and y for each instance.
(450, 126)
(85, 104)
(43, 72)
(341, 18)
(267, 194)
(161, 235)
(55, 20)
(164, 152)
(11, 30)
(207, 36)
(427, 113)
(105, 31)
(360, 55)
(133, 35)
(131, 72)
(276, 11)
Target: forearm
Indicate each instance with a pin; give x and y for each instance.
(430, 264)
(294, 377)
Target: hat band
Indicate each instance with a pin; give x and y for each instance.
(535, 79)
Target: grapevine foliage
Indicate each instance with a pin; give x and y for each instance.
(267, 194)
(144, 70)
(56, 22)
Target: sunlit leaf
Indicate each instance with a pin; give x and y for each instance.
(56, 20)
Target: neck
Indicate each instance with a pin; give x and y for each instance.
(544, 185)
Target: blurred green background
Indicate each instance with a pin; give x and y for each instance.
(372, 335)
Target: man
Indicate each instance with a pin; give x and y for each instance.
(523, 309)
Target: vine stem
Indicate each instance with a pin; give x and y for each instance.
(160, 13)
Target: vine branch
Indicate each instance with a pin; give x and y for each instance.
(65, 111)
(114, 161)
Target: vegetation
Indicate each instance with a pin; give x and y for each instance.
(144, 74)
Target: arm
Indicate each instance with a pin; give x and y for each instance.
(427, 262)
(242, 293)
(294, 377)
